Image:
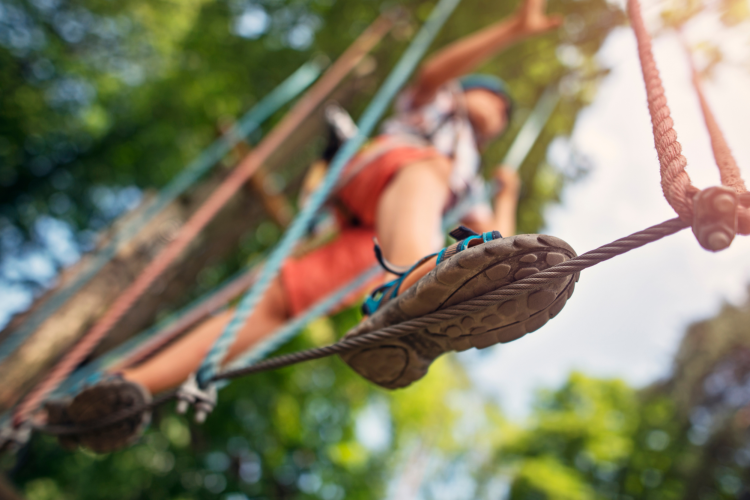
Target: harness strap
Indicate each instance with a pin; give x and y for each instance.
(375, 150)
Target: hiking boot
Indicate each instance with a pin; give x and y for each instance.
(475, 265)
(96, 403)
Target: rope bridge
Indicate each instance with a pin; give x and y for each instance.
(722, 211)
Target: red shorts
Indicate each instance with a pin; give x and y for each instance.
(310, 278)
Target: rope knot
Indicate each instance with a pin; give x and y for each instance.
(718, 215)
(13, 438)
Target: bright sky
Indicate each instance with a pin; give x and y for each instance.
(628, 315)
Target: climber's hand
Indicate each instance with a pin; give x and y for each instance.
(532, 18)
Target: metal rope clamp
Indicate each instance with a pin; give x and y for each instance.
(13, 438)
(202, 400)
(715, 219)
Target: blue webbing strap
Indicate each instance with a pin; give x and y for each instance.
(299, 225)
(281, 95)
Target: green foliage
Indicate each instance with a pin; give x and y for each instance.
(596, 439)
(547, 478)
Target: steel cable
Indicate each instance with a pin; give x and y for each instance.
(562, 270)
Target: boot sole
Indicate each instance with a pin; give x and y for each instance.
(468, 274)
(104, 399)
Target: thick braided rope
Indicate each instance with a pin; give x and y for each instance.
(250, 122)
(573, 266)
(298, 228)
(728, 168)
(675, 182)
(725, 161)
(558, 271)
(203, 215)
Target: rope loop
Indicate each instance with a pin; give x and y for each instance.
(716, 214)
(719, 212)
(675, 182)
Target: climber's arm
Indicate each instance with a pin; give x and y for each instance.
(464, 55)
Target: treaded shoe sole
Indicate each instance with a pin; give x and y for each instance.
(102, 400)
(464, 276)
(57, 414)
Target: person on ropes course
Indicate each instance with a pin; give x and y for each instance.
(396, 189)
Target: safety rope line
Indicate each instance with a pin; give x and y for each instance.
(203, 215)
(728, 168)
(287, 90)
(559, 271)
(725, 161)
(675, 182)
(297, 229)
(521, 286)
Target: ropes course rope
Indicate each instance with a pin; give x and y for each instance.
(301, 222)
(562, 270)
(203, 215)
(249, 123)
(675, 182)
(145, 344)
(725, 161)
(728, 168)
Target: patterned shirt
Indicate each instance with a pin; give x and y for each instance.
(442, 122)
